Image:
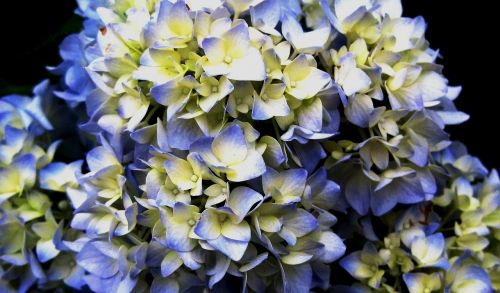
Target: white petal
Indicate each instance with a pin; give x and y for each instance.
(250, 67)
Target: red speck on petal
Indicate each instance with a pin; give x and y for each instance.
(103, 30)
(107, 48)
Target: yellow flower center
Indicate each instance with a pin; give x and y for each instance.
(194, 178)
(228, 59)
(191, 222)
(215, 89)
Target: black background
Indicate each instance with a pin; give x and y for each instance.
(465, 32)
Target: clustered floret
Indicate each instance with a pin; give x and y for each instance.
(244, 145)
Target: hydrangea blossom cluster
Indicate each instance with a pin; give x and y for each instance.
(31, 222)
(246, 145)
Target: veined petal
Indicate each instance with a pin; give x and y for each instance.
(214, 50)
(255, 262)
(310, 115)
(300, 222)
(97, 262)
(265, 16)
(355, 267)
(214, 69)
(208, 227)
(358, 192)
(252, 167)
(46, 250)
(242, 199)
(429, 249)
(232, 248)
(178, 19)
(240, 232)
(263, 110)
(230, 145)
(203, 147)
(270, 224)
(178, 237)
(181, 173)
(334, 247)
(181, 133)
(249, 67)
(237, 41)
(170, 263)
(101, 157)
(298, 69)
(472, 278)
(158, 75)
(304, 42)
(415, 282)
(296, 258)
(308, 87)
(168, 93)
(355, 81)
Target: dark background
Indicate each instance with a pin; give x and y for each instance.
(30, 32)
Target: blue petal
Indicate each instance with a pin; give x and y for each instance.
(232, 248)
(297, 279)
(95, 262)
(208, 227)
(254, 262)
(218, 271)
(26, 165)
(181, 133)
(171, 262)
(252, 167)
(36, 112)
(359, 110)
(242, 199)
(230, 145)
(46, 250)
(358, 192)
(309, 154)
(266, 15)
(239, 232)
(473, 278)
(273, 107)
(300, 222)
(414, 282)
(71, 48)
(310, 116)
(290, 184)
(165, 93)
(333, 248)
(100, 157)
(384, 200)
(436, 242)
